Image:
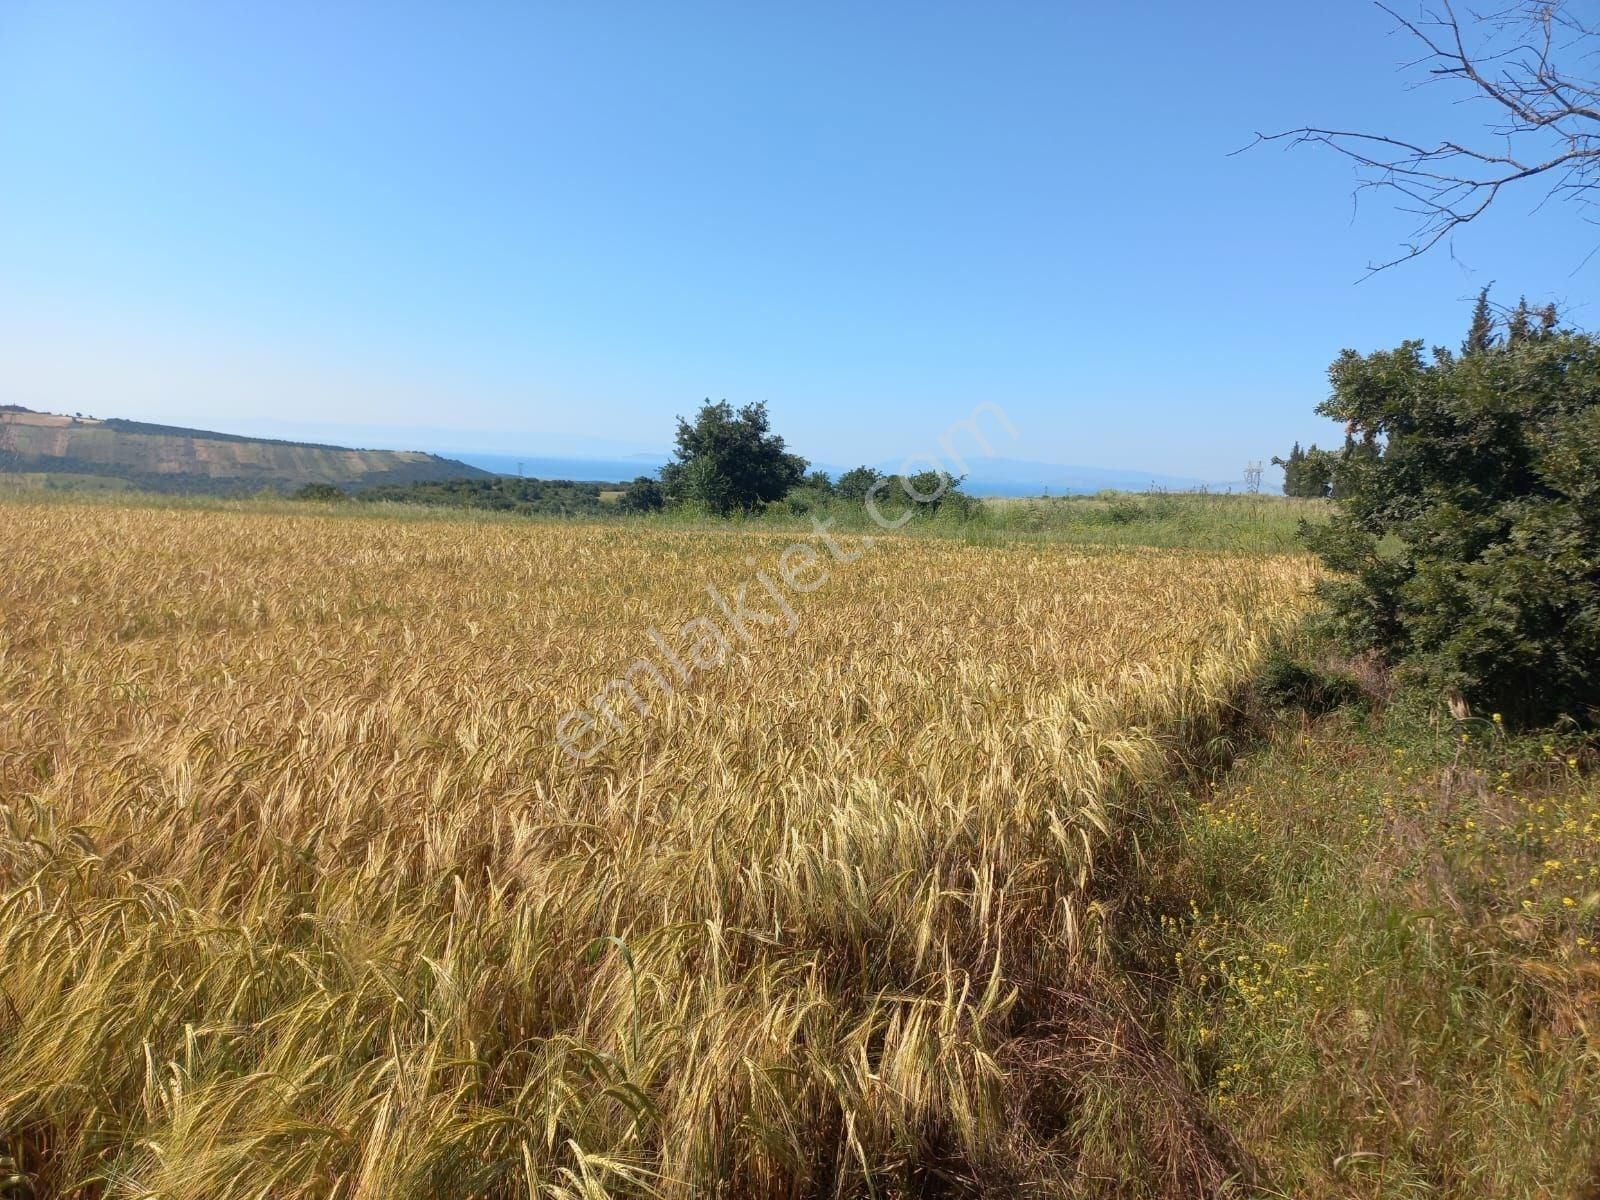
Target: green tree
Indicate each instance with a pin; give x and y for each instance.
(816, 491)
(1292, 467)
(927, 494)
(854, 484)
(1317, 473)
(1519, 325)
(1467, 543)
(1480, 334)
(702, 486)
(1341, 469)
(1309, 473)
(644, 494)
(929, 489)
(729, 460)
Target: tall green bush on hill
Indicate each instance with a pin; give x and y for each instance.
(729, 460)
(1468, 550)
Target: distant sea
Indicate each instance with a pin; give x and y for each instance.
(584, 470)
(990, 477)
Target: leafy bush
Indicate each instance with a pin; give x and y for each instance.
(924, 495)
(1124, 510)
(854, 484)
(1130, 508)
(1468, 550)
(961, 509)
(807, 499)
(644, 494)
(1290, 680)
(323, 492)
(500, 493)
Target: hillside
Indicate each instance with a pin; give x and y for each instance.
(170, 459)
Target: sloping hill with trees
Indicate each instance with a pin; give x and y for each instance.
(166, 458)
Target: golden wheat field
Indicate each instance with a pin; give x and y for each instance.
(302, 896)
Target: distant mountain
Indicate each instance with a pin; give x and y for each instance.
(167, 458)
(454, 443)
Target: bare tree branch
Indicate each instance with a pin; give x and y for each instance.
(1546, 123)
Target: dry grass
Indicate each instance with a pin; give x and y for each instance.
(298, 896)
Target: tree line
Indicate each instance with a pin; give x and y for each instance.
(1317, 474)
(728, 461)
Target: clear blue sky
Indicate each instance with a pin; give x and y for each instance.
(579, 219)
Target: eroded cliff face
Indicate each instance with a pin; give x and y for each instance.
(48, 442)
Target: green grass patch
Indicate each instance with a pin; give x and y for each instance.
(1198, 520)
(1249, 524)
(1374, 951)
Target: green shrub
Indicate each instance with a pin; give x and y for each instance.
(643, 495)
(1124, 510)
(1468, 550)
(1288, 681)
(497, 493)
(323, 492)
